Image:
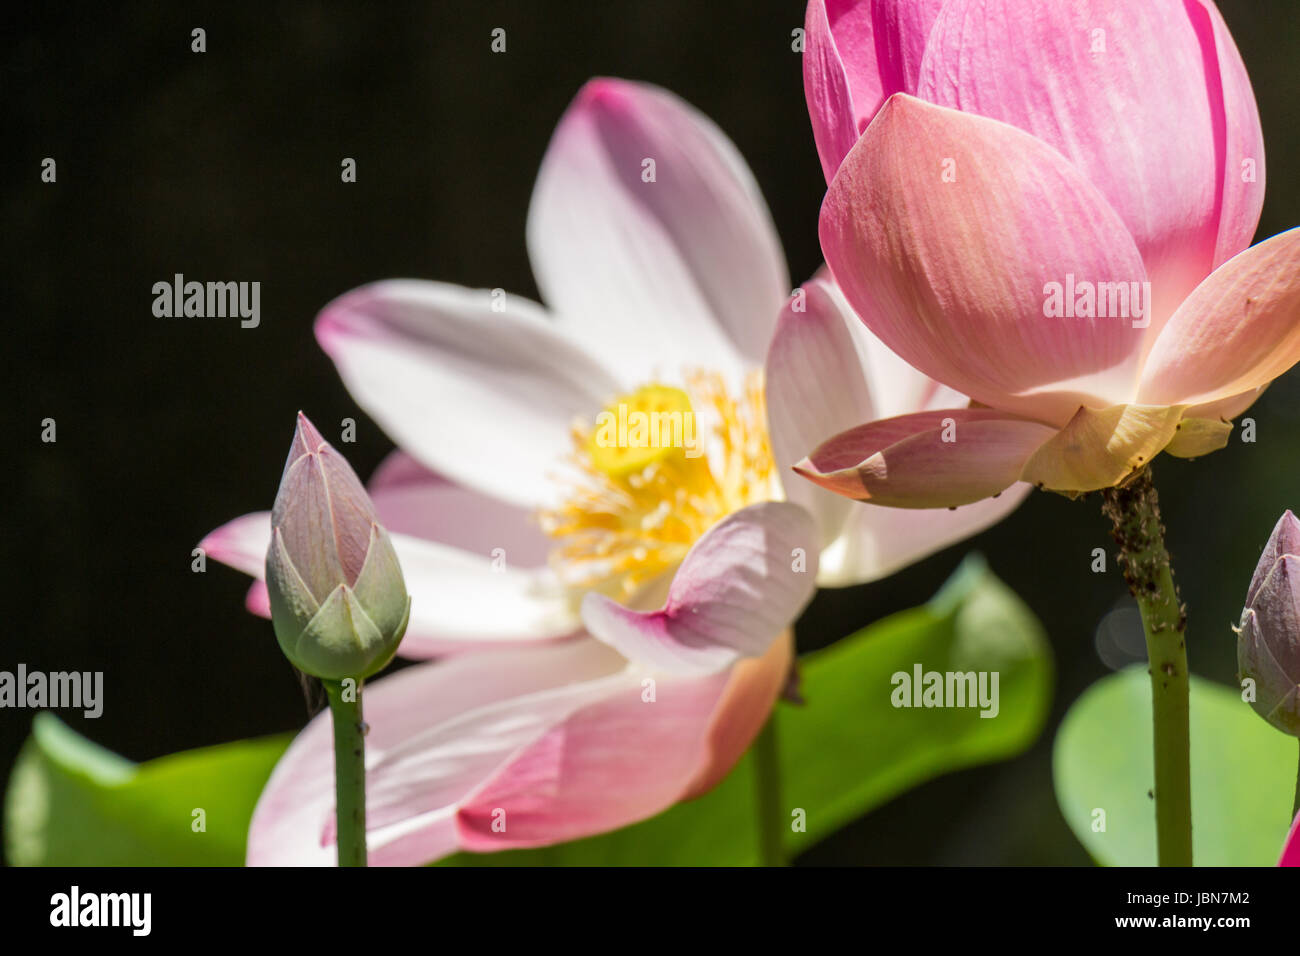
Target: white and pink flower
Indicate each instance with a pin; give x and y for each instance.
(629, 610)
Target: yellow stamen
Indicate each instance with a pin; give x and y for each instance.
(652, 483)
(652, 424)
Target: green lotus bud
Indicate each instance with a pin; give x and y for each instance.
(1268, 640)
(338, 601)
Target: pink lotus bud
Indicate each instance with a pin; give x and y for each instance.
(1149, 100)
(338, 601)
(1268, 643)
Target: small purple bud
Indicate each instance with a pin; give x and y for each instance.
(338, 600)
(1268, 640)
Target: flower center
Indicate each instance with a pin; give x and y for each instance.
(655, 470)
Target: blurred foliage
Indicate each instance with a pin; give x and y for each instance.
(70, 802)
(1243, 775)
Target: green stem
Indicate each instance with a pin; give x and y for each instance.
(349, 771)
(767, 778)
(1134, 511)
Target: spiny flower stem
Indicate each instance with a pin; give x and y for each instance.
(1134, 511)
(349, 770)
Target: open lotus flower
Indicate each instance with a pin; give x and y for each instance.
(630, 598)
(1071, 258)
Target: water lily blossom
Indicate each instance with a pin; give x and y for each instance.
(627, 599)
(1045, 211)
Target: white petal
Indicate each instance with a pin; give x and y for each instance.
(875, 542)
(484, 397)
(684, 269)
(462, 601)
(415, 501)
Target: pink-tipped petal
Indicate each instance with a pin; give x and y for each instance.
(649, 238)
(1149, 100)
(753, 687)
(241, 543)
(258, 600)
(1236, 332)
(436, 732)
(644, 746)
(937, 459)
(525, 748)
(480, 387)
(949, 233)
(614, 760)
(740, 585)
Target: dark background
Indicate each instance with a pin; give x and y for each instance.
(225, 165)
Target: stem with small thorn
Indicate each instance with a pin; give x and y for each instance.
(349, 770)
(1134, 511)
